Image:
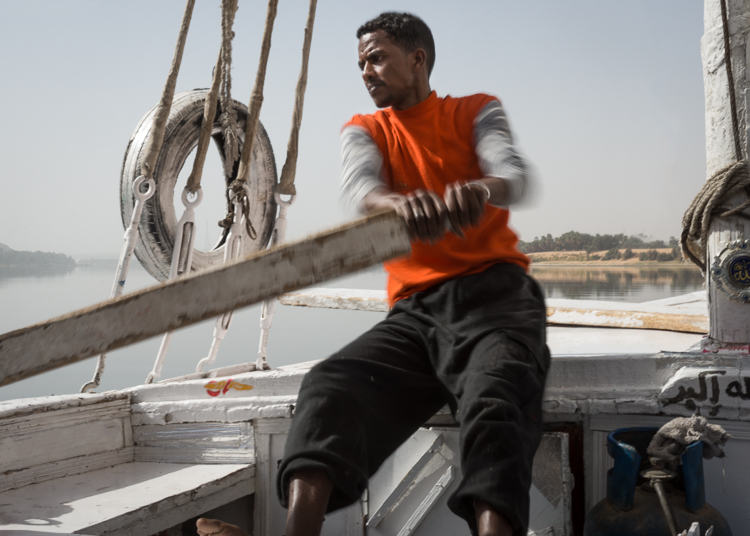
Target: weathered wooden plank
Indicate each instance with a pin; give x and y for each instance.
(376, 301)
(338, 298)
(564, 316)
(127, 499)
(187, 300)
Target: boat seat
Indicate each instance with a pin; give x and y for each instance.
(130, 498)
(69, 465)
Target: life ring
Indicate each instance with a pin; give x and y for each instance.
(159, 221)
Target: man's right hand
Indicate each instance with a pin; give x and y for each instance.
(424, 212)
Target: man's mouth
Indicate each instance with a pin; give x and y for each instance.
(372, 88)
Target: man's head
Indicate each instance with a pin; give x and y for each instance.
(396, 55)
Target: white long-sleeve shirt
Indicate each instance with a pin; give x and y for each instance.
(362, 162)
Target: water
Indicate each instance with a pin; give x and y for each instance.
(298, 334)
(632, 283)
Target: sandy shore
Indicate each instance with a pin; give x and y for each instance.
(579, 258)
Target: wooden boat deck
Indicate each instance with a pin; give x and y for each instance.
(134, 498)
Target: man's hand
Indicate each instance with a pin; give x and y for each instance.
(423, 211)
(465, 202)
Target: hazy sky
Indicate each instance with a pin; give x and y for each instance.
(605, 98)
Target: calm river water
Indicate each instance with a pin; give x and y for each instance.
(298, 334)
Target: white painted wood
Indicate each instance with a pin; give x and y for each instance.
(420, 508)
(579, 341)
(269, 517)
(53, 416)
(44, 446)
(338, 298)
(195, 443)
(377, 300)
(627, 319)
(66, 439)
(730, 320)
(559, 312)
(429, 502)
(401, 471)
(28, 406)
(14, 479)
(127, 499)
(228, 410)
(693, 300)
(282, 381)
(143, 314)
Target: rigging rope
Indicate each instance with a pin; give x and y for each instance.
(228, 118)
(251, 127)
(289, 171)
(725, 183)
(207, 125)
(151, 153)
(222, 71)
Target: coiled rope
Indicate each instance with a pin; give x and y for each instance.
(725, 183)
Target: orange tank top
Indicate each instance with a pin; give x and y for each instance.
(429, 146)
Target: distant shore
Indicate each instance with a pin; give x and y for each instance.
(595, 259)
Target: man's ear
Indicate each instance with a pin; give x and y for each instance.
(420, 60)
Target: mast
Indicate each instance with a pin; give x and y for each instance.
(729, 318)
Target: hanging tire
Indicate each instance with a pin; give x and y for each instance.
(159, 221)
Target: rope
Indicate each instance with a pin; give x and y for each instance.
(228, 118)
(289, 171)
(150, 154)
(725, 183)
(251, 127)
(221, 73)
(209, 112)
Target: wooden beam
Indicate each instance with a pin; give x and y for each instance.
(566, 316)
(376, 301)
(184, 301)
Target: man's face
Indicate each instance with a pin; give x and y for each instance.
(388, 71)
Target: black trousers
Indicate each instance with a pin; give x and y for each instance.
(476, 343)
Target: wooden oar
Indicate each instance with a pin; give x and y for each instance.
(137, 316)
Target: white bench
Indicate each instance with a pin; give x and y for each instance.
(69, 465)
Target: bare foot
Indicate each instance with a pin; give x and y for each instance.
(210, 527)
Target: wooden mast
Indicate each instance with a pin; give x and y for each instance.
(729, 319)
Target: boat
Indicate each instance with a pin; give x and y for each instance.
(151, 458)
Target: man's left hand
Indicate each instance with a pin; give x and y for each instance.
(465, 202)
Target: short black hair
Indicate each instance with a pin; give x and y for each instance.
(407, 31)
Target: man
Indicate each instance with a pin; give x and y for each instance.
(467, 325)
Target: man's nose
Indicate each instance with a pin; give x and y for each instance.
(367, 71)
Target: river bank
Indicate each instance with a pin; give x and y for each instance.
(596, 258)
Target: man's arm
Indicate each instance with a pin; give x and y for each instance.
(361, 168)
(364, 190)
(504, 180)
(504, 170)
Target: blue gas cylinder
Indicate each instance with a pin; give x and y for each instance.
(632, 505)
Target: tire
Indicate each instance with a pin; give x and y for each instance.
(159, 221)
